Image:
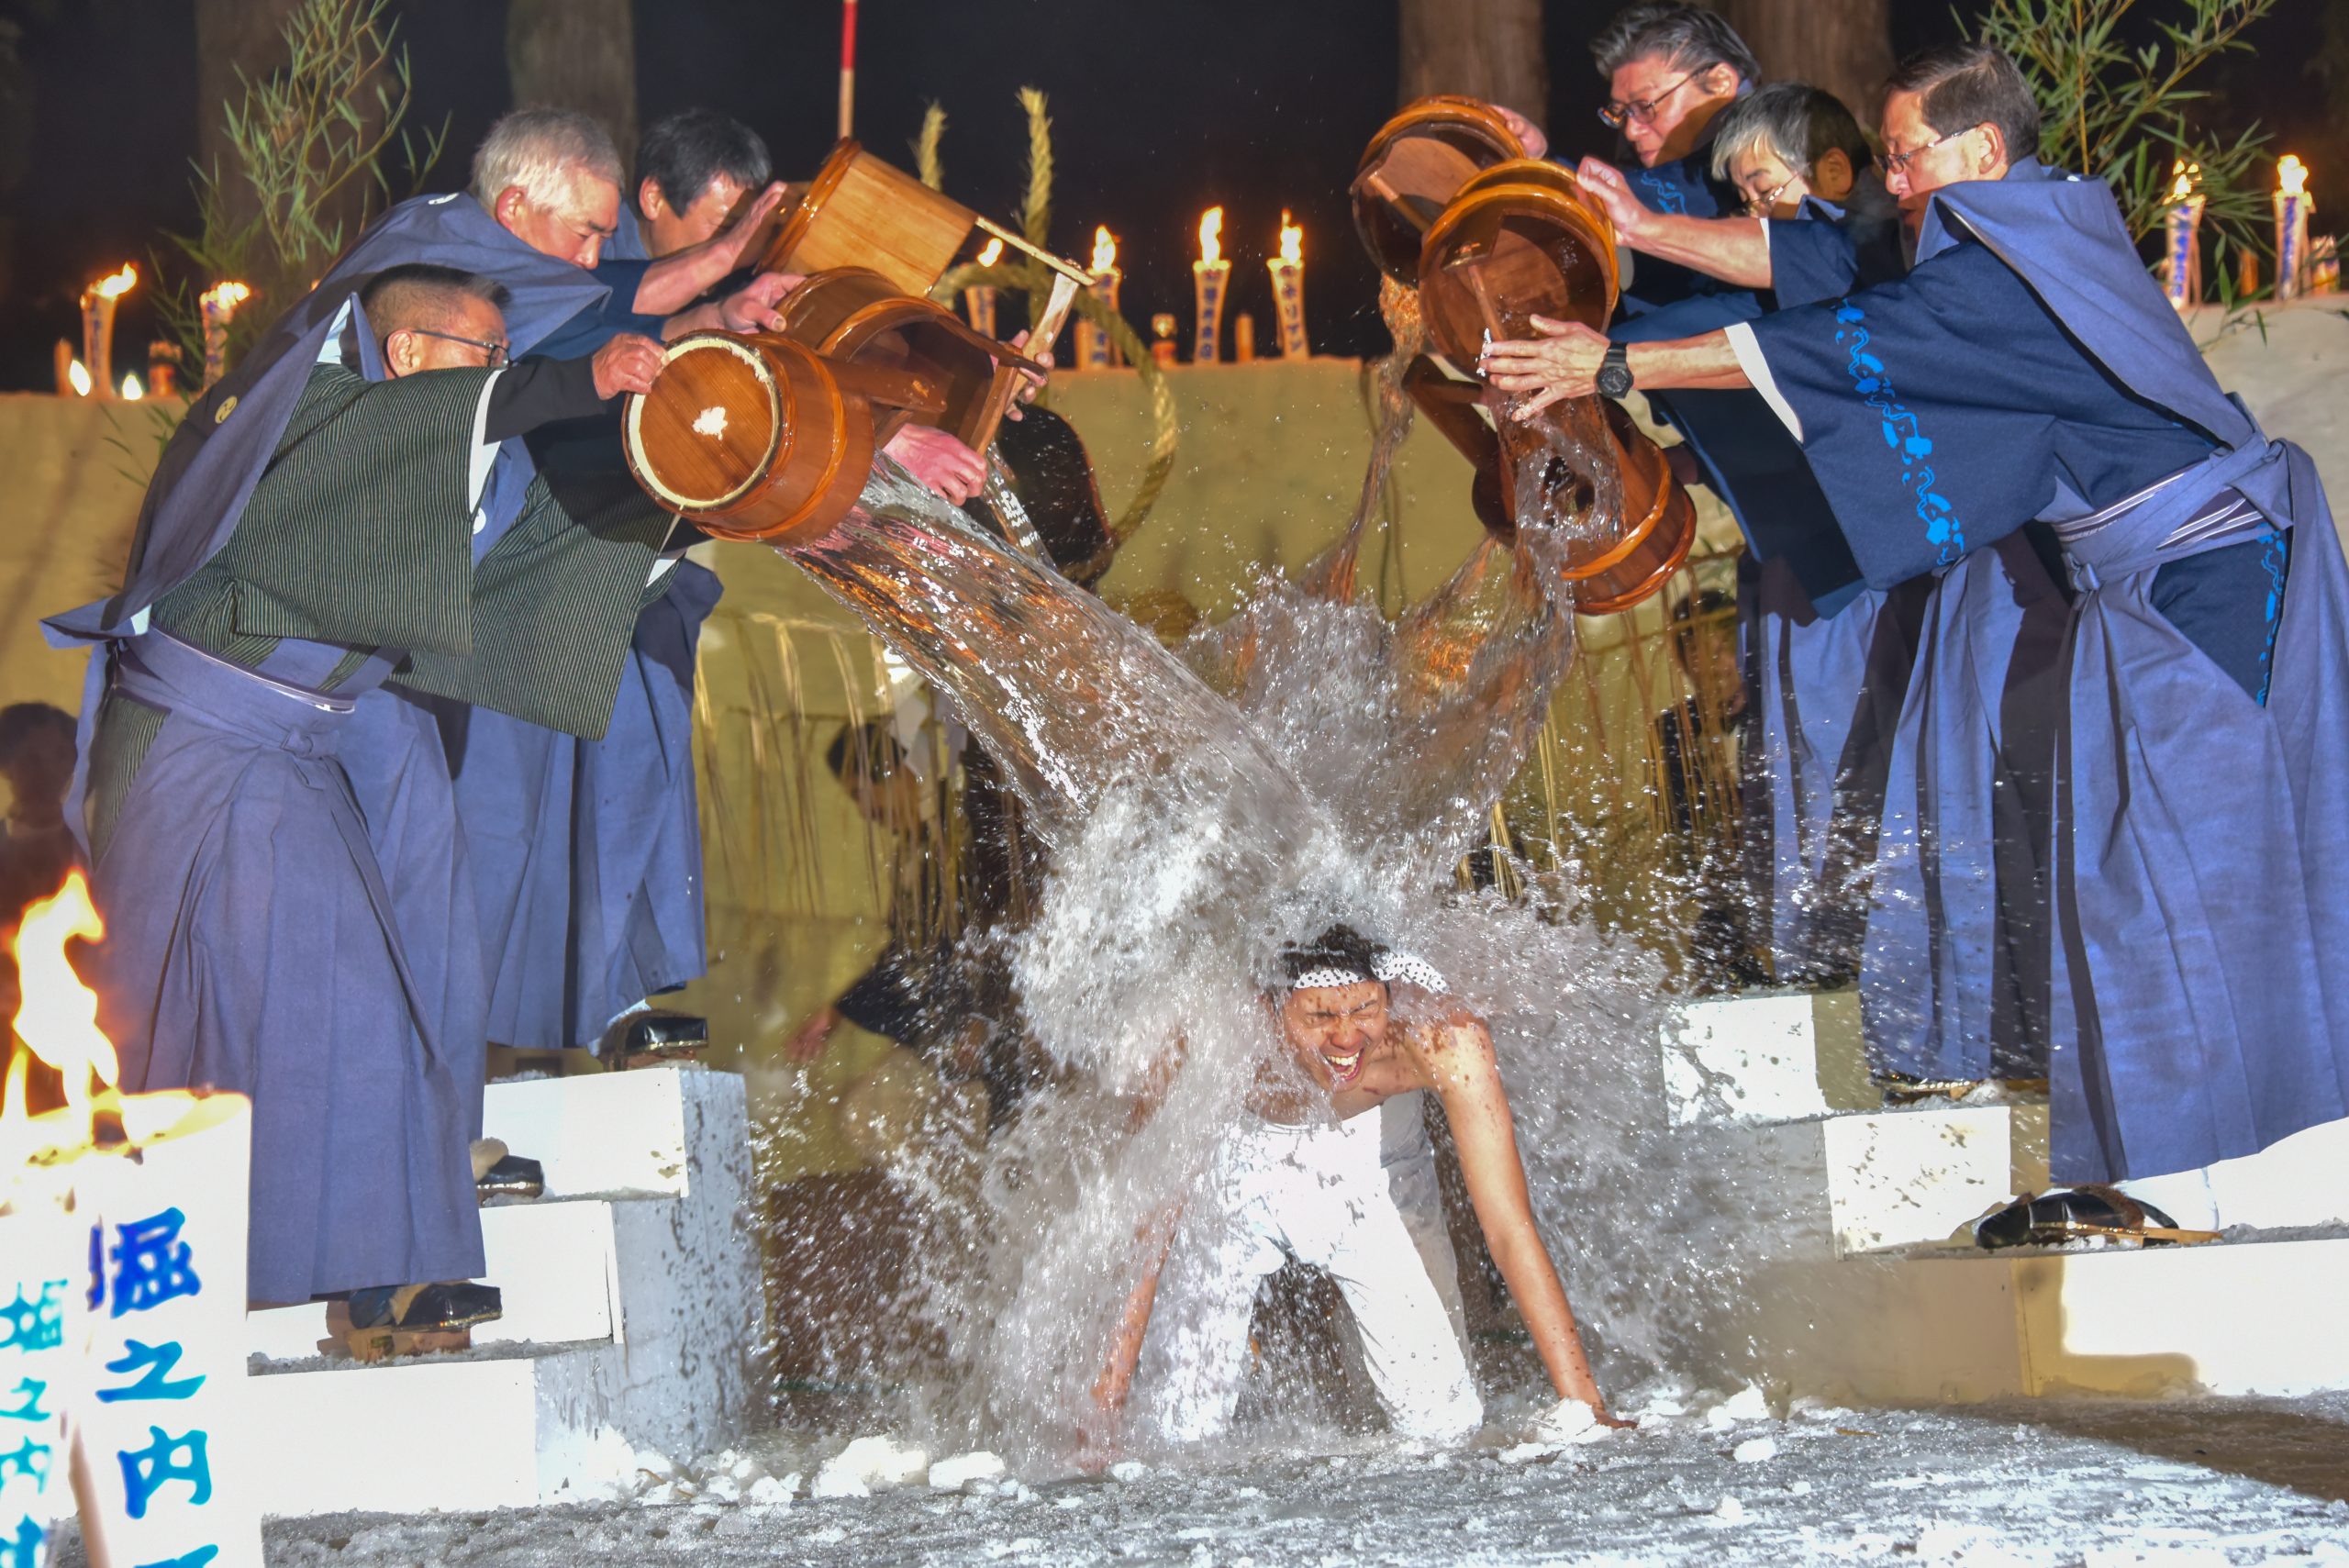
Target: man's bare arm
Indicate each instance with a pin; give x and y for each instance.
(1564, 362)
(1734, 249)
(672, 283)
(1461, 1064)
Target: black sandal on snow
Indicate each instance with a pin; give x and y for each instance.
(2078, 1214)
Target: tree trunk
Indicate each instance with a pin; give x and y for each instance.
(1844, 46)
(576, 54)
(1484, 49)
(233, 36)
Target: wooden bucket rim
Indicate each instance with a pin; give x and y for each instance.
(1468, 203)
(746, 349)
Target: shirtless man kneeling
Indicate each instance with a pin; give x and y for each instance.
(1357, 1198)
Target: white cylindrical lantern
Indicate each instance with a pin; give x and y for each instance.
(2181, 240)
(219, 305)
(1095, 348)
(98, 303)
(2292, 209)
(1210, 273)
(162, 1439)
(1289, 289)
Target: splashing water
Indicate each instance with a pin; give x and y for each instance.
(1192, 834)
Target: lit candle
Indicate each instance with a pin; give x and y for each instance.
(1161, 338)
(219, 306)
(2181, 247)
(1208, 275)
(978, 300)
(156, 1400)
(63, 355)
(77, 376)
(2292, 209)
(131, 391)
(1095, 351)
(98, 302)
(1289, 289)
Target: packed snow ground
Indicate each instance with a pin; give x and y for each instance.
(2176, 1484)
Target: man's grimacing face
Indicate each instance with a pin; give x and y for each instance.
(1328, 1027)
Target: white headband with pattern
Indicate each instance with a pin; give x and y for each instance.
(1387, 965)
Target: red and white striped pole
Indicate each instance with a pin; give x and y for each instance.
(847, 65)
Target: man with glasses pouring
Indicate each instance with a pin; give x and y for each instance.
(2029, 369)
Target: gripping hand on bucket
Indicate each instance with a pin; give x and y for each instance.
(627, 364)
(1562, 362)
(1032, 384)
(939, 461)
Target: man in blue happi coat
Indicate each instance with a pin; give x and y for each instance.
(1825, 657)
(1914, 821)
(2028, 368)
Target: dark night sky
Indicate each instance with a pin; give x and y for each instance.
(1161, 108)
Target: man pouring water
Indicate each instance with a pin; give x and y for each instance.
(1334, 1169)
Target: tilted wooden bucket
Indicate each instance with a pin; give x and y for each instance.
(1413, 168)
(952, 377)
(752, 437)
(860, 212)
(1522, 239)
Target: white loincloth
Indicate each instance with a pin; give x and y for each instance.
(1358, 1199)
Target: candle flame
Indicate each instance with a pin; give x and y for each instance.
(58, 1016)
(2184, 176)
(1211, 236)
(992, 253)
(1105, 250)
(78, 375)
(1292, 241)
(131, 391)
(226, 296)
(116, 286)
(2291, 175)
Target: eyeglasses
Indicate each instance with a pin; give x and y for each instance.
(1759, 206)
(1643, 109)
(1891, 164)
(497, 351)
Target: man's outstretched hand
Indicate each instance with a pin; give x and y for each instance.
(939, 461)
(627, 364)
(1562, 362)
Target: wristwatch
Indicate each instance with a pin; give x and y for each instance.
(1615, 372)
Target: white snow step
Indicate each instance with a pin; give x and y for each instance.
(632, 1322)
(610, 1134)
(1766, 1056)
(556, 1263)
(1899, 1178)
(2243, 1317)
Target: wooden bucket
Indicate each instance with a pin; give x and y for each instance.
(1660, 525)
(860, 212)
(1413, 168)
(752, 437)
(1521, 240)
(954, 379)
